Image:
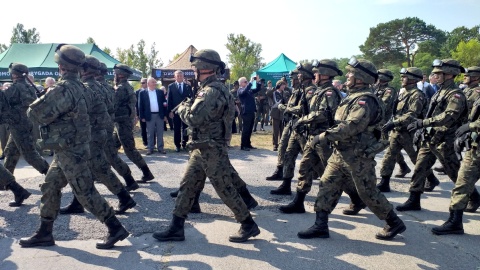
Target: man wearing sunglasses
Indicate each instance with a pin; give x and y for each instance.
(355, 138)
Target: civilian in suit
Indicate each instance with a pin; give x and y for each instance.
(143, 125)
(276, 114)
(177, 92)
(247, 99)
(152, 108)
(169, 120)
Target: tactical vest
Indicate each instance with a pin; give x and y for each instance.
(404, 100)
(97, 110)
(388, 104)
(126, 106)
(472, 94)
(327, 93)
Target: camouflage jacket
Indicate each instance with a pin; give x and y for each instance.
(108, 92)
(97, 108)
(19, 96)
(410, 107)
(307, 95)
(125, 101)
(472, 94)
(4, 108)
(389, 96)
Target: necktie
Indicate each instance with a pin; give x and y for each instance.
(180, 88)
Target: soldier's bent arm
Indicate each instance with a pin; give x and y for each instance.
(50, 106)
(455, 109)
(319, 115)
(205, 108)
(414, 111)
(356, 121)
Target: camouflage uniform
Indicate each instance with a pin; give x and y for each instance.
(261, 103)
(20, 142)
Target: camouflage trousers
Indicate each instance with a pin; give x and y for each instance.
(398, 140)
(209, 162)
(99, 165)
(6, 177)
(346, 171)
(70, 166)
(468, 175)
(282, 146)
(296, 144)
(125, 134)
(20, 142)
(427, 156)
(261, 114)
(111, 154)
(313, 158)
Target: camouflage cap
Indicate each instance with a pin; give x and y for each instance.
(17, 68)
(326, 67)
(448, 66)
(412, 73)
(385, 75)
(69, 56)
(306, 70)
(207, 59)
(472, 71)
(122, 69)
(363, 70)
(91, 64)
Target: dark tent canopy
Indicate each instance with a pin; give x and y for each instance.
(39, 58)
(276, 69)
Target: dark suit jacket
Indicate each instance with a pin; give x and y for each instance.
(136, 95)
(144, 105)
(174, 96)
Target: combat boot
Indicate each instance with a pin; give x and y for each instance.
(277, 174)
(42, 237)
(439, 169)
(319, 229)
(130, 183)
(384, 185)
(355, 206)
(195, 209)
(175, 231)
(473, 202)
(453, 225)
(73, 208)
(19, 192)
(412, 204)
(431, 183)
(147, 174)
(248, 229)
(404, 170)
(247, 198)
(125, 202)
(284, 189)
(393, 227)
(296, 206)
(116, 232)
(174, 194)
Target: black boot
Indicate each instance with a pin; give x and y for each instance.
(384, 185)
(412, 204)
(355, 206)
(42, 237)
(453, 225)
(284, 189)
(319, 229)
(404, 170)
(130, 183)
(125, 202)
(116, 232)
(248, 229)
(147, 174)
(296, 206)
(431, 183)
(19, 192)
(472, 205)
(277, 174)
(247, 198)
(73, 208)
(195, 209)
(393, 227)
(175, 231)
(439, 169)
(174, 194)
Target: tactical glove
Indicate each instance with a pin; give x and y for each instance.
(415, 125)
(462, 130)
(388, 127)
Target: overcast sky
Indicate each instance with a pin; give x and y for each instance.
(301, 29)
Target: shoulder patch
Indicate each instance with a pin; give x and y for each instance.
(329, 93)
(201, 94)
(457, 96)
(389, 91)
(362, 102)
(478, 90)
(310, 92)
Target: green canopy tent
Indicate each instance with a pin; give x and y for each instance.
(39, 58)
(276, 69)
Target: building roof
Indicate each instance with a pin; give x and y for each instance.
(183, 61)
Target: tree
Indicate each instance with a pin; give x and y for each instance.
(468, 53)
(153, 60)
(244, 56)
(3, 48)
(458, 35)
(90, 40)
(139, 59)
(392, 42)
(20, 35)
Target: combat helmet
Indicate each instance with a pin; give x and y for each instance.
(472, 71)
(91, 64)
(412, 73)
(122, 69)
(103, 68)
(18, 69)
(448, 66)
(305, 70)
(207, 59)
(71, 57)
(326, 67)
(385, 75)
(363, 70)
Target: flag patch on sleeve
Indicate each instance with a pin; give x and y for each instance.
(361, 102)
(457, 95)
(201, 94)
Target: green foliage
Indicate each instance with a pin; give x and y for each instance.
(3, 48)
(139, 59)
(468, 53)
(394, 41)
(90, 40)
(21, 35)
(244, 56)
(107, 51)
(458, 35)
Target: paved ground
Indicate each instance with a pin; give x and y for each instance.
(351, 245)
